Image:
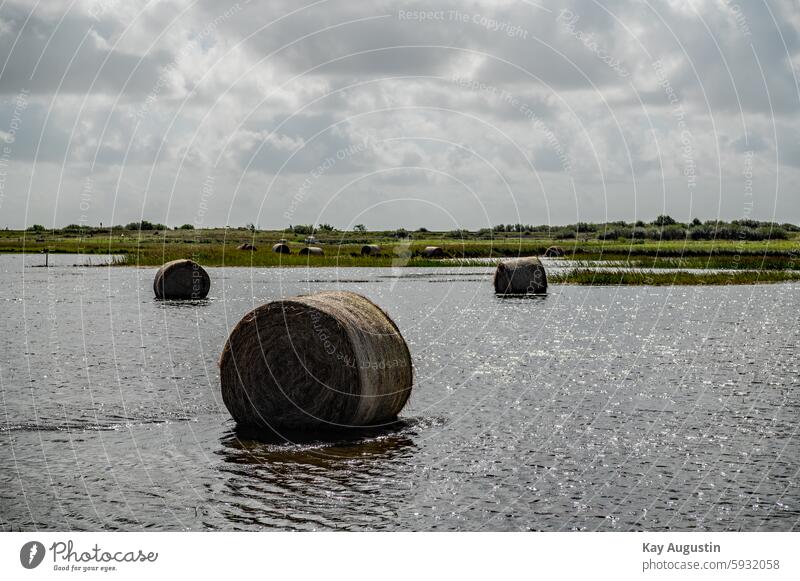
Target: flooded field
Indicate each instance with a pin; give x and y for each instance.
(593, 408)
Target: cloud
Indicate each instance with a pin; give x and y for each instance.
(68, 55)
(488, 112)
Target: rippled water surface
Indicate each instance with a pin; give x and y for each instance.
(591, 409)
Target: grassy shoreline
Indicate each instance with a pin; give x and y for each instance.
(747, 262)
(637, 278)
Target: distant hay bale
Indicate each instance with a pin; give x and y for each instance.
(247, 246)
(281, 248)
(312, 250)
(328, 360)
(181, 279)
(520, 276)
(554, 252)
(370, 250)
(433, 252)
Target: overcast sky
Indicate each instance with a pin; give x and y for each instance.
(439, 114)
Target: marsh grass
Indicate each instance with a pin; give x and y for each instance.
(218, 247)
(220, 256)
(582, 276)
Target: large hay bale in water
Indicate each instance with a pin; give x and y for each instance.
(554, 252)
(370, 250)
(181, 279)
(520, 276)
(322, 361)
(281, 248)
(312, 250)
(433, 252)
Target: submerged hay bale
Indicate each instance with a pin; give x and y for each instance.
(247, 246)
(370, 250)
(433, 252)
(312, 250)
(328, 360)
(281, 248)
(554, 252)
(181, 279)
(520, 276)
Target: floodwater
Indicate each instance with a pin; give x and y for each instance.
(605, 408)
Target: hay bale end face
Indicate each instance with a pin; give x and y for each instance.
(181, 279)
(520, 276)
(554, 252)
(433, 252)
(324, 361)
(312, 251)
(247, 246)
(281, 248)
(370, 250)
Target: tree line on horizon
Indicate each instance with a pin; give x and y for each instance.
(664, 227)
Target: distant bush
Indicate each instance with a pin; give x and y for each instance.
(672, 232)
(664, 220)
(459, 233)
(753, 231)
(615, 233)
(752, 224)
(36, 228)
(145, 225)
(775, 233)
(187, 227)
(564, 233)
(76, 228)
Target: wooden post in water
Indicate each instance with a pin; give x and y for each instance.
(47, 258)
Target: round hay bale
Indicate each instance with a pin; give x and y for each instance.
(370, 250)
(520, 276)
(181, 279)
(433, 252)
(312, 250)
(247, 246)
(328, 360)
(281, 248)
(554, 252)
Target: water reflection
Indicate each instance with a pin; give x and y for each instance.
(348, 484)
(315, 452)
(181, 304)
(509, 298)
